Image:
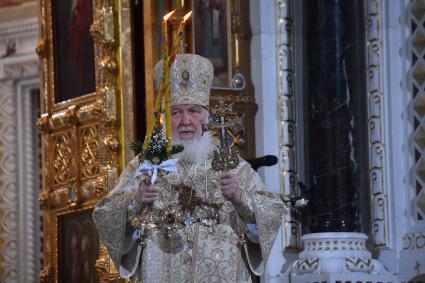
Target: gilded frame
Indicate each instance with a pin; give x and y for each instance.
(50, 48)
(73, 49)
(80, 138)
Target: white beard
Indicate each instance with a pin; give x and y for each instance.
(196, 149)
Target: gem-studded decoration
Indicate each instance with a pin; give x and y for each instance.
(190, 79)
(222, 119)
(188, 210)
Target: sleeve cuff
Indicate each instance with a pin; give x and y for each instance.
(244, 208)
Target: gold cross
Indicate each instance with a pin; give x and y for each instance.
(225, 158)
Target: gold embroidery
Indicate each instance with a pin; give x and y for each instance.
(200, 253)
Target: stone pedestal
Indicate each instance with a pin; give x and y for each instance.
(337, 257)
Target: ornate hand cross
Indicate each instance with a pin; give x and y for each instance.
(224, 158)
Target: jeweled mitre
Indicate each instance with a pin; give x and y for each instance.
(191, 77)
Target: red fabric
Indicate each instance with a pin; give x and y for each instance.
(4, 3)
(79, 28)
(79, 36)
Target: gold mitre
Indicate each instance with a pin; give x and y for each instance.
(191, 77)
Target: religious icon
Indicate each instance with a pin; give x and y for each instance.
(210, 36)
(74, 49)
(78, 249)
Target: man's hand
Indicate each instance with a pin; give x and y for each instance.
(230, 186)
(147, 192)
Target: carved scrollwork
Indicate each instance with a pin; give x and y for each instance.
(62, 160)
(214, 99)
(105, 266)
(111, 143)
(40, 48)
(60, 197)
(45, 274)
(89, 147)
(109, 64)
(44, 200)
(43, 123)
(95, 28)
(65, 118)
(94, 188)
(90, 112)
(101, 187)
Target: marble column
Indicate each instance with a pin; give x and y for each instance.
(336, 146)
(335, 113)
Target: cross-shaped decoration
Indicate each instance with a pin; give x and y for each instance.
(236, 138)
(226, 157)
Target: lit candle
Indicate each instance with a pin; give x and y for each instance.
(158, 100)
(166, 82)
(165, 41)
(179, 35)
(170, 61)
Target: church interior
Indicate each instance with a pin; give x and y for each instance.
(330, 99)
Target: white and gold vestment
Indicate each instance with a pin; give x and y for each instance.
(210, 246)
(201, 253)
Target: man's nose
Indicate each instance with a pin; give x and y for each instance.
(185, 118)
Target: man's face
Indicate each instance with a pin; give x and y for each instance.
(187, 120)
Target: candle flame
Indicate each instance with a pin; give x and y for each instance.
(161, 118)
(187, 16)
(167, 16)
